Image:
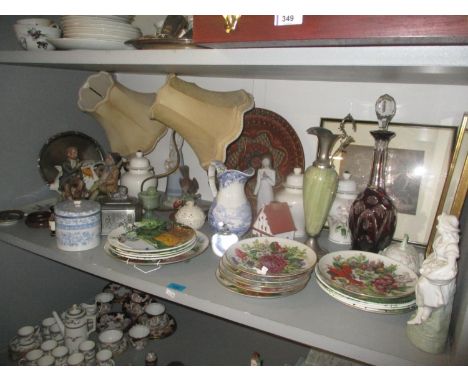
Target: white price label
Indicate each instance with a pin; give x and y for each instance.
(288, 20)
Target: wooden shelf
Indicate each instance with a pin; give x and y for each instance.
(395, 64)
(309, 317)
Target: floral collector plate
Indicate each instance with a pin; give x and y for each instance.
(244, 277)
(249, 293)
(367, 275)
(366, 306)
(262, 287)
(271, 257)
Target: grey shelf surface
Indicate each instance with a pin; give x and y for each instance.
(309, 317)
(395, 64)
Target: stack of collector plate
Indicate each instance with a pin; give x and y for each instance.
(124, 246)
(367, 281)
(266, 267)
(96, 32)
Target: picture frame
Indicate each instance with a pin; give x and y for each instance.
(456, 183)
(418, 162)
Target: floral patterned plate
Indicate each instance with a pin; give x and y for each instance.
(262, 287)
(244, 277)
(271, 257)
(367, 275)
(368, 307)
(233, 288)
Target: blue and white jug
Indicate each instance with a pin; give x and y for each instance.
(230, 205)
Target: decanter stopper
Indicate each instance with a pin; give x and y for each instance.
(385, 108)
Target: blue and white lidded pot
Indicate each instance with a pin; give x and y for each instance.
(78, 224)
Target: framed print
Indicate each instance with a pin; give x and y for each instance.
(417, 166)
(456, 183)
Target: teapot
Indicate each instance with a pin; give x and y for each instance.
(139, 169)
(140, 172)
(74, 326)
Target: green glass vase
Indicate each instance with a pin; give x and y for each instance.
(320, 184)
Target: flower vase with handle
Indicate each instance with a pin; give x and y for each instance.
(230, 205)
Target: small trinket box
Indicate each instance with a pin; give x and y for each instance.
(116, 212)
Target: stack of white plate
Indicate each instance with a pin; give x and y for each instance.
(266, 267)
(123, 245)
(367, 281)
(97, 32)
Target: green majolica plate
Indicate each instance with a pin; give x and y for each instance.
(367, 276)
(271, 257)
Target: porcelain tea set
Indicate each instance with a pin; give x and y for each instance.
(65, 339)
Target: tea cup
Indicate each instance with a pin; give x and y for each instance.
(35, 37)
(139, 336)
(104, 358)
(76, 359)
(60, 353)
(28, 334)
(111, 339)
(156, 316)
(88, 348)
(46, 360)
(104, 302)
(46, 325)
(48, 346)
(31, 357)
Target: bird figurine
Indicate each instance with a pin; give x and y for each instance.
(189, 186)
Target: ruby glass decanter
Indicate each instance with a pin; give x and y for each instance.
(372, 219)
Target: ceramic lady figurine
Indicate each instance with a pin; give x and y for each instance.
(230, 205)
(339, 212)
(435, 289)
(266, 179)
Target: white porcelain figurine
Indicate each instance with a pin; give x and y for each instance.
(435, 289)
(266, 179)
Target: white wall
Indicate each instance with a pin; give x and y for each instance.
(303, 103)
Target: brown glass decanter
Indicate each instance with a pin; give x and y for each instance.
(373, 216)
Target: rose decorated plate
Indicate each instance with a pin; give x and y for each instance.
(271, 257)
(251, 293)
(367, 306)
(367, 276)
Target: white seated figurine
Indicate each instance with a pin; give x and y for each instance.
(436, 287)
(266, 179)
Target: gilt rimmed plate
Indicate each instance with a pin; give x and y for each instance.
(125, 239)
(233, 288)
(271, 257)
(88, 44)
(367, 275)
(245, 277)
(199, 247)
(368, 307)
(262, 288)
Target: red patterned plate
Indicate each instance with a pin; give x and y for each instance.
(265, 132)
